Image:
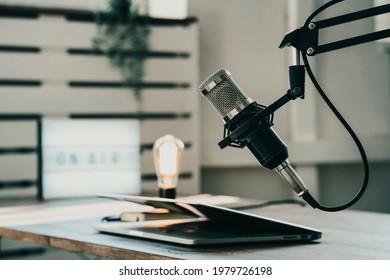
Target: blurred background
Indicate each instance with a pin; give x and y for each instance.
(234, 36)
(52, 66)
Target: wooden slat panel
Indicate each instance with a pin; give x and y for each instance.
(179, 100)
(180, 39)
(63, 67)
(68, 4)
(40, 57)
(181, 128)
(57, 99)
(49, 33)
(382, 22)
(15, 134)
(14, 167)
(50, 99)
(24, 193)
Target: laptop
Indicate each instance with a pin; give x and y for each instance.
(206, 225)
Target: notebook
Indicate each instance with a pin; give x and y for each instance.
(205, 225)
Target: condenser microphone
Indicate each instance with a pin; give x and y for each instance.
(241, 117)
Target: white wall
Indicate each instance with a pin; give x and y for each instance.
(243, 36)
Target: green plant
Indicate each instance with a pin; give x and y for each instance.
(123, 38)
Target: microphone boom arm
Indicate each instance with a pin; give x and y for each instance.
(305, 38)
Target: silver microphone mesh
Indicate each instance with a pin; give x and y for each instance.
(223, 93)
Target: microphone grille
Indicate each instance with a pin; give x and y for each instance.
(222, 92)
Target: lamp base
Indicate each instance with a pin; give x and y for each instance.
(167, 193)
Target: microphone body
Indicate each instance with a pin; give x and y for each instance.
(238, 112)
(263, 142)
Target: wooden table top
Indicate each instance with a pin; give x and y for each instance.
(68, 225)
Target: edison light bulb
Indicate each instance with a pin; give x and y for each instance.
(167, 152)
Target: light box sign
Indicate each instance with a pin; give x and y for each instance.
(87, 157)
